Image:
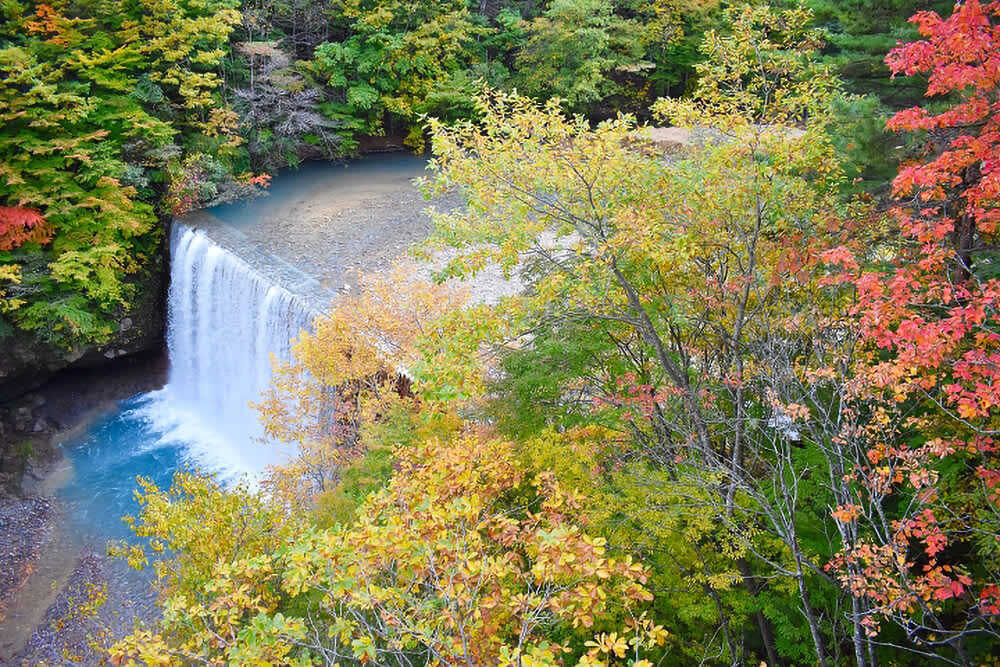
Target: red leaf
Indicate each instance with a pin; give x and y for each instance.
(19, 225)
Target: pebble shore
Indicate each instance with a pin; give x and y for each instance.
(25, 524)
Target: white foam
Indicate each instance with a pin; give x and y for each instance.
(224, 324)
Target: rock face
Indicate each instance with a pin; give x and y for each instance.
(26, 363)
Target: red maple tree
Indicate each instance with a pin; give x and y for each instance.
(20, 225)
(934, 566)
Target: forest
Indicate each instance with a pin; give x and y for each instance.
(744, 410)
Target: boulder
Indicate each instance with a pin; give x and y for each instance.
(671, 139)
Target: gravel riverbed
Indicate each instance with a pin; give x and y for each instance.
(38, 566)
(25, 523)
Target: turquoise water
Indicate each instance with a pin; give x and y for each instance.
(142, 436)
(105, 461)
(94, 487)
(224, 323)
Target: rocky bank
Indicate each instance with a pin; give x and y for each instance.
(27, 362)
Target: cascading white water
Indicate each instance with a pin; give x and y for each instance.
(225, 321)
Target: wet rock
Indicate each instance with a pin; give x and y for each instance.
(22, 418)
(27, 360)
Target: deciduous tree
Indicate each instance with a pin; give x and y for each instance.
(394, 54)
(349, 374)
(930, 564)
(571, 49)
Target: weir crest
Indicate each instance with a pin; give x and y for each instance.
(226, 324)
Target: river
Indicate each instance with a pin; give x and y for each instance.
(245, 277)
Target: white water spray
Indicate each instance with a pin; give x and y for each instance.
(225, 321)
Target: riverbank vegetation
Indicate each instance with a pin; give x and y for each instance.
(117, 116)
(743, 411)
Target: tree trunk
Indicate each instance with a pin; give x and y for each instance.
(763, 624)
(809, 612)
(490, 8)
(965, 228)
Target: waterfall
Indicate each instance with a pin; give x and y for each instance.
(225, 321)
